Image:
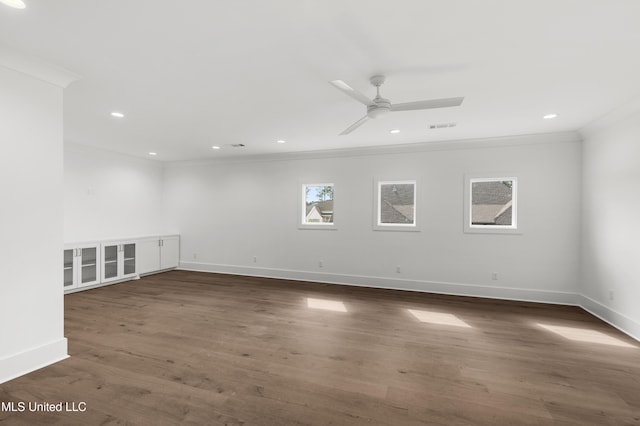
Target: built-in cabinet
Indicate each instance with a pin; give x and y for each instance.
(95, 263)
(158, 253)
(169, 252)
(81, 265)
(118, 260)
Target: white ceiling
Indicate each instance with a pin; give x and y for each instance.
(192, 74)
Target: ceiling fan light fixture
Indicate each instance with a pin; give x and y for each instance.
(380, 108)
(394, 131)
(115, 113)
(16, 4)
(378, 112)
(549, 116)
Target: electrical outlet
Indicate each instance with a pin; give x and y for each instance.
(320, 264)
(398, 269)
(494, 276)
(611, 295)
(255, 259)
(195, 255)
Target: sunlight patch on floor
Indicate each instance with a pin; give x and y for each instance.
(328, 305)
(585, 335)
(438, 318)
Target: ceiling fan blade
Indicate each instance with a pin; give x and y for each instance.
(355, 125)
(433, 103)
(349, 91)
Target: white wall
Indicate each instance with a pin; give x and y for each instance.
(611, 229)
(229, 212)
(109, 195)
(31, 297)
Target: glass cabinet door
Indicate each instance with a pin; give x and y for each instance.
(129, 259)
(110, 261)
(89, 264)
(68, 268)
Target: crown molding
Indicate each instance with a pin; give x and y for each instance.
(36, 68)
(480, 143)
(620, 113)
(106, 153)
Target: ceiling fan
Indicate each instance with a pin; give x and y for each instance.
(380, 106)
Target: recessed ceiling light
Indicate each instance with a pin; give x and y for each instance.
(16, 4)
(153, 153)
(394, 131)
(215, 147)
(117, 114)
(281, 141)
(549, 116)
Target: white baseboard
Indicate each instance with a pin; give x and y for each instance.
(608, 315)
(33, 359)
(458, 289)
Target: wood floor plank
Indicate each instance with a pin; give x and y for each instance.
(194, 348)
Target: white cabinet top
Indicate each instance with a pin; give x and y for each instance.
(110, 240)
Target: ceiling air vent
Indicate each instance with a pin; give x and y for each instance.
(442, 125)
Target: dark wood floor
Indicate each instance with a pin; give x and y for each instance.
(195, 348)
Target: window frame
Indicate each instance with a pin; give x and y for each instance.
(515, 227)
(377, 206)
(302, 208)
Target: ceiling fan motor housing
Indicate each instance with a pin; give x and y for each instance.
(380, 107)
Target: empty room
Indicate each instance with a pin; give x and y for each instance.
(298, 212)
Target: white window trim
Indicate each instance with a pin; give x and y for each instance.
(514, 228)
(302, 210)
(377, 225)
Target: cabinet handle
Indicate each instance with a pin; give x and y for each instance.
(162, 243)
(80, 252)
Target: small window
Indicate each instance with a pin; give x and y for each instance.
(491, 204)
(317, 204)
(396, 205)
